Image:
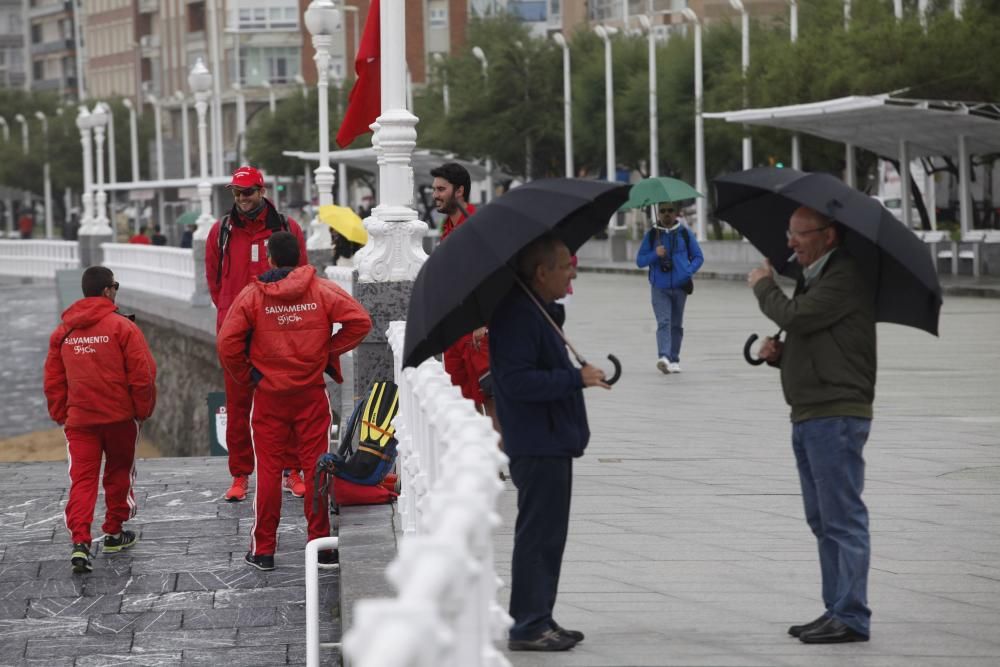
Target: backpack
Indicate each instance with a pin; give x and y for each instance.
(376, 451)
(226, 230)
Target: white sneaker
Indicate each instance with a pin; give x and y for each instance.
(663, 364)
(674, 367)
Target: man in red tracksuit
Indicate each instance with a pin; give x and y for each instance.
(288, 314)
(235, 254)
(100, 383)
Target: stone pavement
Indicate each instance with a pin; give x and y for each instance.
(181, 595)
(688, 545)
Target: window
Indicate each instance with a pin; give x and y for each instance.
(278, 64)
(268, 18)
(36, 34)
(437, 14)
(196, 17)
(38, 70)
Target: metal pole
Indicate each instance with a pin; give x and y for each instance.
(112, 158)
(159, 136)
(964, 196)
(904, 181)
(567, 104)
(847, 15)
(319, 238)
(241, 123)
(213, 45)
(605, 33)
(133, 139)
(745, 53)
(46, 175)
(849, 167)
(185, 138)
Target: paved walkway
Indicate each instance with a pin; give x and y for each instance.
(181, 595)
(688, 544)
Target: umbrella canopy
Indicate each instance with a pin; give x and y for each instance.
(187, 218)
(654, 190)
(467, 276)
(345, 222)
(759, 202)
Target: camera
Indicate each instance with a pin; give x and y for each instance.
(666, 264)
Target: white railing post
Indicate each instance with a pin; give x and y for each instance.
(37, 258)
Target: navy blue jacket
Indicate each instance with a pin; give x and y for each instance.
(538, 391)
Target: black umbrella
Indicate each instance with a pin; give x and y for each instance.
(759, 202)
(467, 276)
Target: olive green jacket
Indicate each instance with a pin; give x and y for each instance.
(828, 362)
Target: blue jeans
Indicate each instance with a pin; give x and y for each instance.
(668, 307)
(832, 474)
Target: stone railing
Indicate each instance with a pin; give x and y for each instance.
(343, 276)
(37, 259)
(159, 270)
(446, 612)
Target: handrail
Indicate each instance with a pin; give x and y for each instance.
(160, 270)
(37, 258)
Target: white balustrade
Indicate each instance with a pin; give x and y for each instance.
(343, 276)
(37, 259)
(446, 612)
(159, 270)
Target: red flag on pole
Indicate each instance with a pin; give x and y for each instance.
(365, 102)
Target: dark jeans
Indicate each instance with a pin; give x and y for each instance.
(832, 474)
(544, 486)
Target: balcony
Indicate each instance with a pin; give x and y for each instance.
(53, 7)
(150, 46)
(149, 6)
(53, 47)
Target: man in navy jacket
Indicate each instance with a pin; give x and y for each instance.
(539, 399)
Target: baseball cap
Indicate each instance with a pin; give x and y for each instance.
(247, 177)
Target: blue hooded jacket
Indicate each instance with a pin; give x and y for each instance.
(676, 242)
(538, 390)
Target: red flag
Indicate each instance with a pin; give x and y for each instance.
(365, 102)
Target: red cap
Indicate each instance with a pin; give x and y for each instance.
(247, 177)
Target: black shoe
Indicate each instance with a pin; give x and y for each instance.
(328, 557)
(113, 544)
(550, 640)
(797, 630)
(81, 558)
(575, 635)
(832, 632)
(261, 561)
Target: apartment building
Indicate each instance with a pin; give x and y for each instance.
(12, 70)
(50, 31)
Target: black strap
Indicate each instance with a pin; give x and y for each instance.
(225, 231)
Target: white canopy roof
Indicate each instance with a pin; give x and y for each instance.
(422, 161)
(879, 123)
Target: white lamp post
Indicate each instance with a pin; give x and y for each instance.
(185, 139)
(654, 130)
(112, 162)
(133, 137)
(85, 125)
(745, 65)
(159, 135)
(480, 55)
(302, 82)
(8, 204)
(605, 33)
(272, 103)
(847, 14)
(956, 7)
(699, 123)
(322, 18)
(46, 175)
(794, 34)
(241, 123)
(200, 82)
(567, 103)
(24, 132)
(445, 100)
(99, 118)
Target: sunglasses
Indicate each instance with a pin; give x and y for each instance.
(667, 210)
(244, 192)
(113, 286)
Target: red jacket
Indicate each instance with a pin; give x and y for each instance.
(99, 369)
(246, 254)
(464, 362)
(290, 319)
(141, 239)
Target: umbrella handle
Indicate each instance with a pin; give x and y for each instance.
(746, 351)
(618, 369)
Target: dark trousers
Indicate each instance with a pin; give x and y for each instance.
(544, 486)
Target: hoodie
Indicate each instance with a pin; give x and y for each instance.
(99, 369)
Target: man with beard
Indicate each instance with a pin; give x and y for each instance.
(235, 254)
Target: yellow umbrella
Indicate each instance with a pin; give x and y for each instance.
(345, 222)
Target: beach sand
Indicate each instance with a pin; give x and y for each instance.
(50, 445)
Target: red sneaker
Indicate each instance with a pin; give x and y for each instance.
(238, 491)
(294, 485)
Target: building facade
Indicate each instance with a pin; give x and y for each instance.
(12, 51)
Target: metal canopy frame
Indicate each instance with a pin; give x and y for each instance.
(892, 126)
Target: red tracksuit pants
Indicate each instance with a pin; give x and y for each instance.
(86, 445)
(239, 397)
(302, 418)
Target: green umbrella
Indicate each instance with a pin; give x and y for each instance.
(654, 190)
(187, 218)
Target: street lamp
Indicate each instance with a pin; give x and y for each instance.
(159, 134)
(567, 103)
(322, 18)
(241, 122)
(185, 140)
(200, 83)
(272, 103)
(605, 33)
(699, 123)
(46, 174)
(99, 118)
(85, 125)
(479, 55)
(445, 100)
(794, 34)
(24, 132)
(745, 65)
(654, 138)
(133, 137)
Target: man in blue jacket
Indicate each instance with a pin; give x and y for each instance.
(673, 256)
(539, 400)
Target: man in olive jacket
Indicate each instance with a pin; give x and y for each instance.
(828, 365)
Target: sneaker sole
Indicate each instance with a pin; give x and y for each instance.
(663, 368)
(236, 499)
(120, 547)
(259, 567)
(81, 565)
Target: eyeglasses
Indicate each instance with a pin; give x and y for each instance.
(113, 286)
(247, 192)
(789, 233)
